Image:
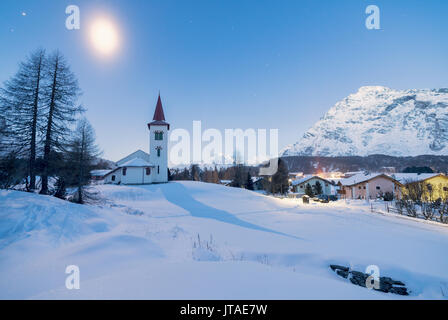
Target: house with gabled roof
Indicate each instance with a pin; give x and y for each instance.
(369, 186)
(299, 185)
(433, 185)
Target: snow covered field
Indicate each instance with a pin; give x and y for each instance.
(191, 240)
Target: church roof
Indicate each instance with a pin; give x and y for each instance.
(159, 116)
(136, 162)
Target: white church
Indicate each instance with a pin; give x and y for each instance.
(143, 168)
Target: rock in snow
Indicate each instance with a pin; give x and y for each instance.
(380, 120)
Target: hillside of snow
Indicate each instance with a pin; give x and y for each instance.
(380, 120)
(191, 240)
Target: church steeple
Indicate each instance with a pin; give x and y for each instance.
(159, 116)
(158, 144)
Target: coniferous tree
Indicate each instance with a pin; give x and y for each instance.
(82, 153)
(21, 101)
(61, 191)
(215, 176)
(238, 180)
(318, 188)
(195, 172)
(280, 181)
(61, 108)
(249, 182)
(309, 190)
(11, 172)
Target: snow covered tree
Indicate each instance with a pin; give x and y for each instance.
(61, 108)
(82, 153)
(21, 101)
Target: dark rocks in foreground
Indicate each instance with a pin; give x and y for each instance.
(386, 284)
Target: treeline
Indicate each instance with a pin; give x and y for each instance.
(238, 175)
(372, 163)
(42, 131)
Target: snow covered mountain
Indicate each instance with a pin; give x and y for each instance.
(380, 120)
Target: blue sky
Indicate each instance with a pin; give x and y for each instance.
(231, 64)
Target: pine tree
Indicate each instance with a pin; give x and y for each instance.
(61, 191)
(195, 172)
(21, 101)
(309, 190)
(82, 152)
(249, 182)
(60, 99)
(318, 188)
(215, 176)
(238, 180)
(10, 171)
(280, 181)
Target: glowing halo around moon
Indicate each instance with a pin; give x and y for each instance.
(104, 36)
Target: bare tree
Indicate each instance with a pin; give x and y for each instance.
(60, 98)
(21, 102)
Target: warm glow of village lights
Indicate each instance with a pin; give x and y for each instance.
(104, 36)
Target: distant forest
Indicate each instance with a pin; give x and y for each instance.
(372, 163)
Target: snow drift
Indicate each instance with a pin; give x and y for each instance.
(191, 240)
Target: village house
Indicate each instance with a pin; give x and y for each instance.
(433, 185)
(299, 185)
(369, 186)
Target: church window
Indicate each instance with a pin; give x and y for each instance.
(158, 152)
(148, 171)
(159, 135)
(158, 169)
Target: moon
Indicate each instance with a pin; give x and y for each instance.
(104, 36)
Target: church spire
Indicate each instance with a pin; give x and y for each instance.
(158, 114)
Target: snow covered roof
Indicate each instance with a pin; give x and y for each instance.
(136, 162)
(306, 178)
(137, 154)
(361, 177)
(255, 179)
(99, 173)
(413, 177)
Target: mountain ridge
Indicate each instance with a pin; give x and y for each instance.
(380, 120)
